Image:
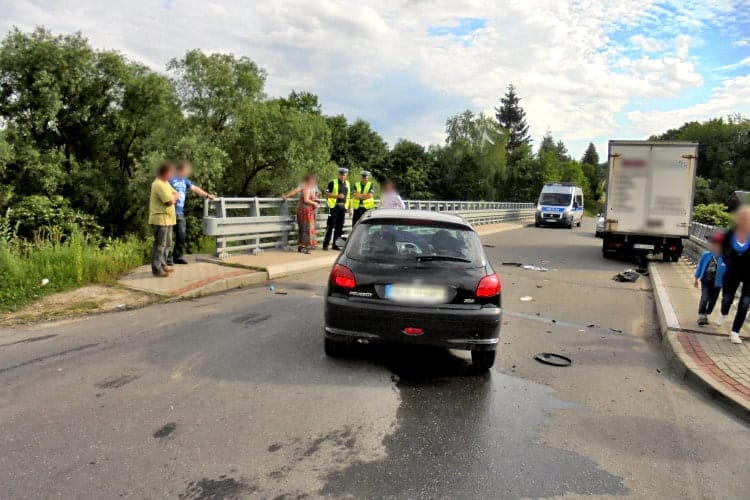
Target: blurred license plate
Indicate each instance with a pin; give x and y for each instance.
(643, 246)
(416, 294)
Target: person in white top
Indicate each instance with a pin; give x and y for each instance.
(390, 197)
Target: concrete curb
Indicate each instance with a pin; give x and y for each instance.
(222, 285)
(679, 360)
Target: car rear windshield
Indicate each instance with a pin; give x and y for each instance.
(555, 199)
(423, 243)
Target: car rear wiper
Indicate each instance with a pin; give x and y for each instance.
(426, 258)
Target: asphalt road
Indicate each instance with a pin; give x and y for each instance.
(231, 396)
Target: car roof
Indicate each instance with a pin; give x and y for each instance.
(429, 215)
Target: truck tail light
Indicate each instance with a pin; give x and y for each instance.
(489, 286)
(343, 277)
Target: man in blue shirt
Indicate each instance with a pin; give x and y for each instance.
(182, 185)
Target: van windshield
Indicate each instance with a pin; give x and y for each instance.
(555, 199)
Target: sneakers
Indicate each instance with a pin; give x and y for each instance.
(720, 319)
(167, 269)
(161, 274)
(702, 320)
(734, 338)
(180, 261)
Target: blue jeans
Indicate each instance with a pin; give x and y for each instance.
(709, 296)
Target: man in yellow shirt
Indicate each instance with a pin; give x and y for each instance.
(162, 217)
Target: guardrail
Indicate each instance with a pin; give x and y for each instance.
(697, 243)
(253, 224)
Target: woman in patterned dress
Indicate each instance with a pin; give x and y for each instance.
(306, 211)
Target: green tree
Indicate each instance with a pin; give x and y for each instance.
(365, 148)
(212, 88)
(723, 153)
(590, 166)
(76, 117)
(475, 150)
(590, 156)
(305, 102)
(409, 166)
(512, 119)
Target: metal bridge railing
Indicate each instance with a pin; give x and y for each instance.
(697, 243)
(253, 224)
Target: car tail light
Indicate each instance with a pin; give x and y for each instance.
(413, 331)
(343, 277)
(489, 286)
(672, 248)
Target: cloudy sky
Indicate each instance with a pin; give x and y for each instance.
(587, 70)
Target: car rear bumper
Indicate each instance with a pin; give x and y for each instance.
(360, 321)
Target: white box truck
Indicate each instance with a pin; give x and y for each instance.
(649, 198)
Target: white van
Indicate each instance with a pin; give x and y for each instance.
(561, 203)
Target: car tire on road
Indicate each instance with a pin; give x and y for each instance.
(482, 360)
(537, 224)
(335, 348)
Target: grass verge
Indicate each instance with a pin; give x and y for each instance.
(25, 266)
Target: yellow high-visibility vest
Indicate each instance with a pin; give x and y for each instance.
(369, 203)
(332, 201)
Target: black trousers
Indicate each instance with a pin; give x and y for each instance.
(731, 283)
(334, 224)
(357, 214)
(180, 239)
(709, 296)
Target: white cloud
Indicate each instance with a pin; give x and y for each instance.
(738, 64)
(745, 42)
(563, 56)
(647, 44)
(727, 99)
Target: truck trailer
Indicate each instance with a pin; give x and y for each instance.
(650, 190)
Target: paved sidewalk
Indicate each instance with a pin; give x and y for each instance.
(193, 280)
(703, 354)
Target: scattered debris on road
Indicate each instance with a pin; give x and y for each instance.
(627, 276)
(535, 268)
(527, 298)
(552, 359)
(515, 264)
(165, 431)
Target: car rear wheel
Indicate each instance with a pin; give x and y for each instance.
(335, 348)
(482, 360)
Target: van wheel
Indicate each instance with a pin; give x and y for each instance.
(665, 257)
(537, 224)
(482, 360)
(579, 224)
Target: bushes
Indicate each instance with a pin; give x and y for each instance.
(713, 214)
(34, 215)
(66, 263)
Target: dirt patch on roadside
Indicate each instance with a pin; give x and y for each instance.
(79, 302)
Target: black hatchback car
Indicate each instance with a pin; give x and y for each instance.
(414, 277)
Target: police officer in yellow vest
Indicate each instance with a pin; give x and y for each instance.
(339, 200)
(363, 197)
